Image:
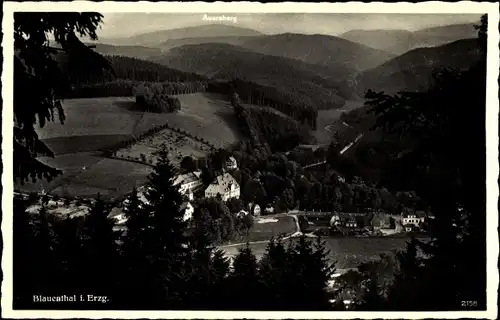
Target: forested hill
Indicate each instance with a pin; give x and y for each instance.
(413, 70)
(227, 62)
(127, 68)
(327, 51)
(142, 70)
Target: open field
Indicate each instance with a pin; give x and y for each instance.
(94, 124)
(179, 146)
(346, 252)
(205, 115)
(94, 116)
(266, 227)
(86, 174)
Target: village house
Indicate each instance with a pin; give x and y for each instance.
(224, 185)
(413, 218)
(188, 182)
(254, 209)
(188, 210)
(231, 163)
(345, 220)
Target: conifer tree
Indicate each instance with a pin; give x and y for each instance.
(274, 274)
(155, 245)
(244, 280)
(311, 269)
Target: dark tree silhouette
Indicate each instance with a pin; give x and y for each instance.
(40, 82)
(445, 162)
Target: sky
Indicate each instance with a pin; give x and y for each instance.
(127, 24)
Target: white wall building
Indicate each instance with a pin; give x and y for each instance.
(225, 185)
(231, 163)
(188, 210)
(412, 218)
(188, 182)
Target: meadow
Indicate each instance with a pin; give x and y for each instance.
(93, 124)
(204, 115)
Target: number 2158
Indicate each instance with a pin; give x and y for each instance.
(468, 303)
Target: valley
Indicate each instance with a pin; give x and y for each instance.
(176, 156)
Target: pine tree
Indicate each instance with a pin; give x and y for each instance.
(200, 268)
(311, 269)
(155, 246)
(244, 283)
(274, 274)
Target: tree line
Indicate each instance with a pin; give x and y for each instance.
(126, 88)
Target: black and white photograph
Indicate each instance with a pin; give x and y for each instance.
(250, 158)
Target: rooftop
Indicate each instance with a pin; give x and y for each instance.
(222, 184)
(186, 178)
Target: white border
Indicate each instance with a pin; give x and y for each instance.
(464, 7)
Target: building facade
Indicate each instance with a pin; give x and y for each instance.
(231, 163)
(224, 185)
(188, 182)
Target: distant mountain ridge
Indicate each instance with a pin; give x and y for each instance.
(413, 70)
(401, 41)
(314, 49)
(156, 38)
(318, 49)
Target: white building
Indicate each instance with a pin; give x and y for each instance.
(225, 185)
(231, 163)
(188, 210)
(188, 182)
(412, 218)
(254, 209)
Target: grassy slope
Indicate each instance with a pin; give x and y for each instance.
(93, 123)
